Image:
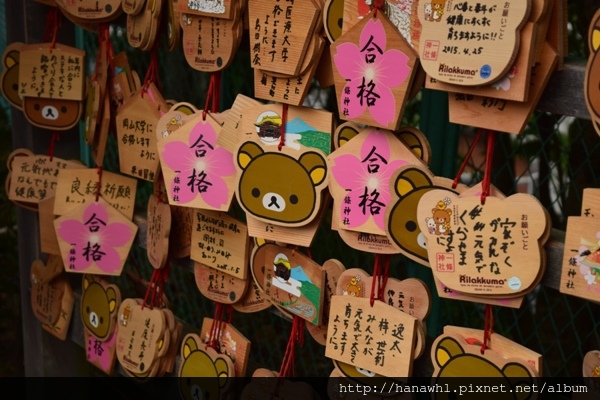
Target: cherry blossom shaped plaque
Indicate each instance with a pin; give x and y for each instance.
(373, 69)
(198, 173)
(95, 238)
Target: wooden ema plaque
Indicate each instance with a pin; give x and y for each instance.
(136, 123)
(592, 74)
(232, 342)
(490, 249)
(180, 240)
(43, 273)
(10, 74)
(178, 115)
(470, 43)
(361, 171)
(373, 69)
(581, 263)
(410, 183)
(207, 8)
(591, 364)
(453, 356)
(48, 240)
(61, 327)
(159, 228)
(91, 10)
(34, 178)
(95, 238)
(278, 34)
(46, 297)
(510, 116)
(218, 286)
(291, 280)
(221, 242)
(47, 73)
(198, 172)
(79, 186)
(378, 338)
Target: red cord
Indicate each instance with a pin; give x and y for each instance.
(377, 4)
(489, 159)
(55, 137)
(283, 123)
(488, 327)
(99, 183)
(381, 273)
(289, 358)
(466, 159)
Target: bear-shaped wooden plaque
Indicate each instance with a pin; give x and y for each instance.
(486, 249)
(232, 342)
(10, 74)
(470, 43)
(218, 286)
(592, 72)
(373, 69)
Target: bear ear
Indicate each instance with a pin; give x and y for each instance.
(247, 153)
(222, 371)
(316, 166)
(86, 281)
(411, 179)
(186, 109)
(112, 299)
(447, 349)
(594, 34)
(11, 58)
(189, 346)
(518, 375)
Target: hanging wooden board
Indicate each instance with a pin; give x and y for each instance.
(180, 240)
(232, 342)
(288, 90)
(140, 336)
(46, 297)
(47, 73)
(200, 362)
(373, 69)
(52, 114)
(157, 235)
(501, 345)
(198, 172)
(34, 178)
(177, 116)
(133, 7)
(43, 273)
(410, 183)
(230, 136)
(278, 34)
(592, 72)
(61, 327)
(95, 238)
(218, 286)
(253, 301)
(79, 186)
(221, 242)
(510, 232)
(136, 123)
(93, 108)
(101, 136)
(389, 343)
(452, 356)
(591, 364)
(207, 8)
(48, 239)
(361, 171)
(139, 27)
(292, 280)
(10, 74)
(470, 44)
(514, 85)
(509, 116)
(99, 304)
(92, 10)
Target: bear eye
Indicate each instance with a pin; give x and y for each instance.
(87, 309)
(294, 199)
(15, 86)
(101, 320)
(255, 192)
(410, 226)
(36, 107)
(188, 381)
(63, 109)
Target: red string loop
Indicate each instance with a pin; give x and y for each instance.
(152, 72)
(55, 138)
(489, 159)
(156, 287)
(488, 327)
(381, 273)
(466, 159)
(289, 358)
(377, 4)
(213, 94)
(53, 21)
(283, 124)
(99, 187)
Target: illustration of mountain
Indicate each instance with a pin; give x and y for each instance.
(299, 275)
(310, 136)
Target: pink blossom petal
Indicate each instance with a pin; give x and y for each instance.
(71, 231)
(375, 139)
(217, 194)
(110, 261)
(81, 262)
(178, 156)
(96, 210)
(116, 234)
(373, 28)
(348, 61)
(220, 162)
(205, 132)
(348, 171)
(391, 68)
(184, 193)
(384, 110)
(354, 108)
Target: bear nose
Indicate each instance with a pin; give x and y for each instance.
(94, 319)
(273, 202)
(50, 112)
(421, 240)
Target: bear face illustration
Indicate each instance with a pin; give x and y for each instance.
(277, 187)
(198, 365)
(592, 74)
(52, 113)
(97, 306)
(438, 9)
